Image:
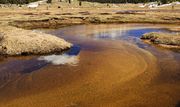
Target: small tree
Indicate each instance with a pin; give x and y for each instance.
(164, 1)
(80, 3)
(69, 1)
(49, 1)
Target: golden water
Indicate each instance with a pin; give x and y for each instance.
(114, 68)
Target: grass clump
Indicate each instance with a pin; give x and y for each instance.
(162, 38)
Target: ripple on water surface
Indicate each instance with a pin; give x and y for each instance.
(108, 66)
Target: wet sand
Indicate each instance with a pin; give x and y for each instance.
(109, 73)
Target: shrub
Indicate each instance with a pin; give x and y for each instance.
(16, 1)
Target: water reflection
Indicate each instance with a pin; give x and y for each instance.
(131, 35)
(70, 57)
(108, 71)
(124, 33)
(24, 66)
(60, 59)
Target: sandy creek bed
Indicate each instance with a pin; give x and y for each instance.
(108, 66)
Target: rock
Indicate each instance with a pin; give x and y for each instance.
(16, 41)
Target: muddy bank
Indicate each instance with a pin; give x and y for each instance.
(53, 23)
(165, 40)
(16, 41)
(60, 20)
(175, 29)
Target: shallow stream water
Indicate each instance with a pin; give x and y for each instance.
(109, 66)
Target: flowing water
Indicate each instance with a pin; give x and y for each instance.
(108, 66)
